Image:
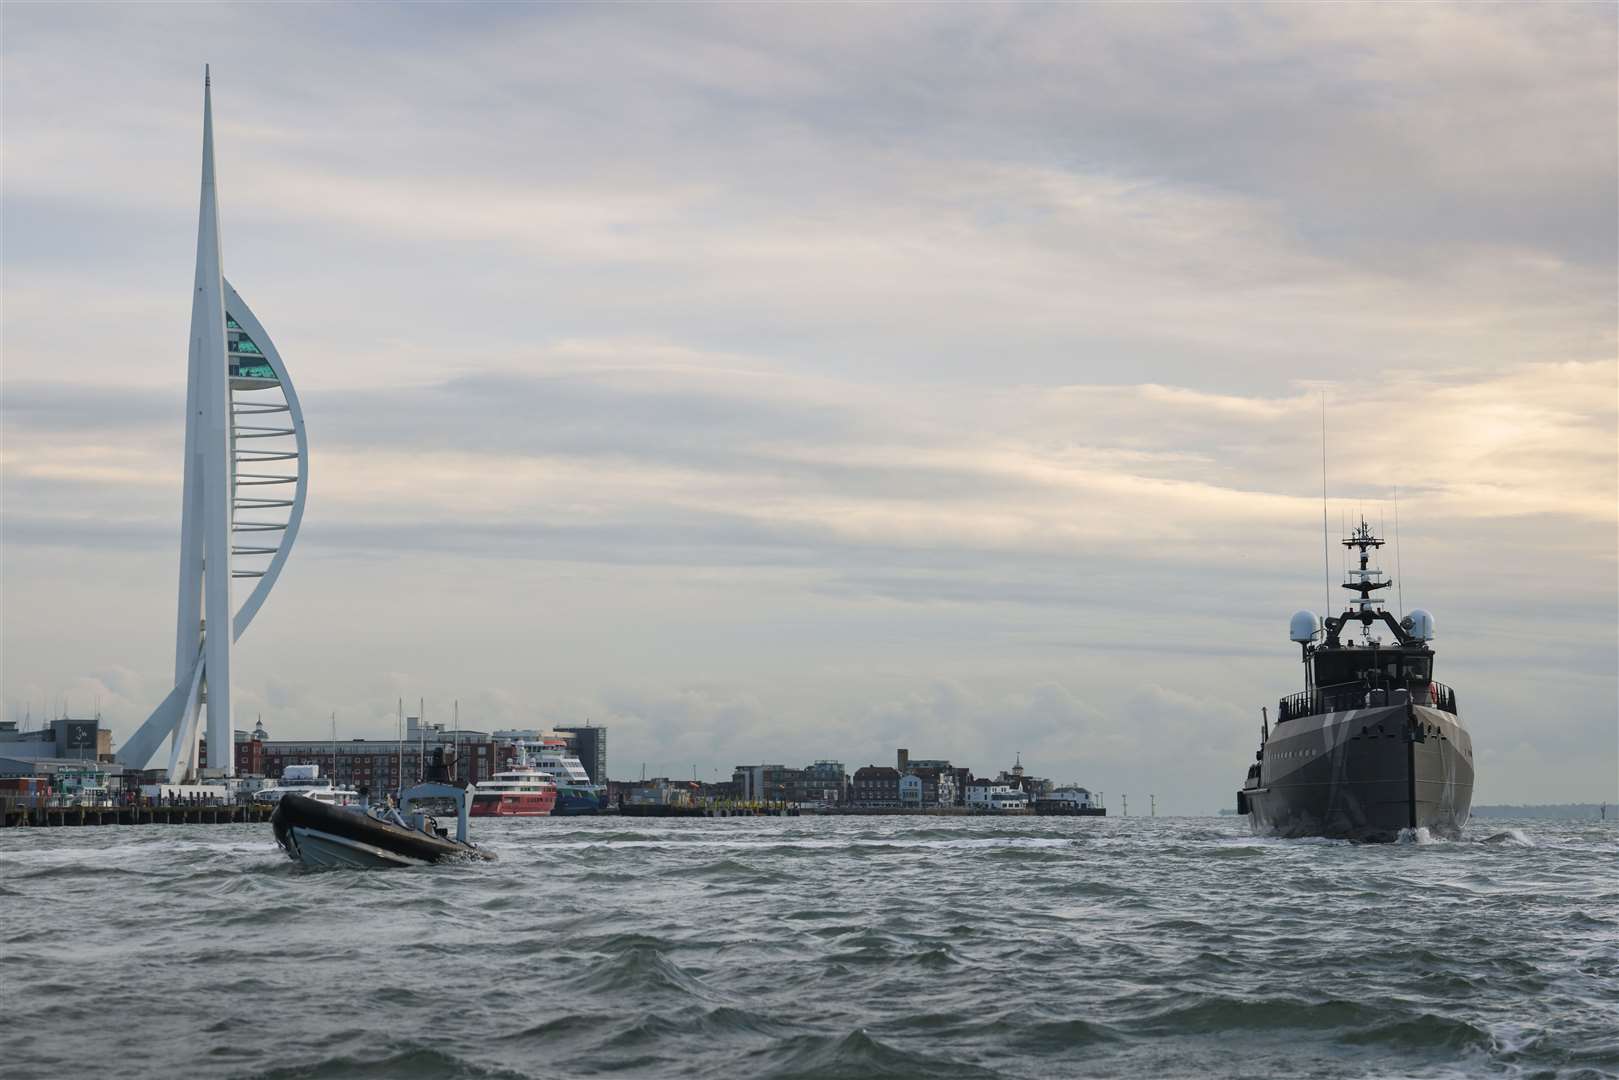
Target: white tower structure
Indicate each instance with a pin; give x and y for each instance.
(244, 433)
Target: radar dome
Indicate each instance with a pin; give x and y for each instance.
(1305, 625)
(1419, 624)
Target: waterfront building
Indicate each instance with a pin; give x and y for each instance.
(824, 782)
(1067, 799)
(765, 783)
(64, 737)
(926, 787)
(246, 471)
(1033, 786)
(941, 773)
(993, 796)
(52, 768)
(963, 776)
(875, 786)
(383, 765)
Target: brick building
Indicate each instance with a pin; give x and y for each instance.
(875, 786)
(370, 763)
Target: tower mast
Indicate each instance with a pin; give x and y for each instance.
(212, 419)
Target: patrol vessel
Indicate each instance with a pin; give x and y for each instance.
(1373, 746)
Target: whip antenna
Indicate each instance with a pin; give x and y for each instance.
(1399, 575)
(1326, 558)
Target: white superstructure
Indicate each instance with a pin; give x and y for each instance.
(562, 766)
(996, 797)
(306, 780)
(246, 472)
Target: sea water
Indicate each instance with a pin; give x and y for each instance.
(816, 947)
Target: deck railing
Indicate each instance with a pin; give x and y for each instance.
(1358, 695)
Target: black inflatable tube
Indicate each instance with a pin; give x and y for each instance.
(304, 812)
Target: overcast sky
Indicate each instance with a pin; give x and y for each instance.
(773, 383)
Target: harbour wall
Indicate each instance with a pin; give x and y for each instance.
(14, 815)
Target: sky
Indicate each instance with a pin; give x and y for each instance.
(780, 382)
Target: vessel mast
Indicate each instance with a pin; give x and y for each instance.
(1364, 579)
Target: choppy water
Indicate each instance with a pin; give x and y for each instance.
(811, 947)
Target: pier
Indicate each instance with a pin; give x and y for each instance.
(14, 816)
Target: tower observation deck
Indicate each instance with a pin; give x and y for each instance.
(246, 476)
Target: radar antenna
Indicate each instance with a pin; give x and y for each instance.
(1364, 579)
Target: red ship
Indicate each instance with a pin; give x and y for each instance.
(521, 791)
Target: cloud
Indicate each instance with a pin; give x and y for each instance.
(799, 380)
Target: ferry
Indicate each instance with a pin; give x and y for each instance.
(520, 791)
(306, 780)
(576, 793)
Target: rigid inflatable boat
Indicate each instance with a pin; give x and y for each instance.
(316, 834)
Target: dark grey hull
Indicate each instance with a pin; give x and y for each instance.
(1364, 774)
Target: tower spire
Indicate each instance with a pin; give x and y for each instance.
(229, 354)
(213, 417)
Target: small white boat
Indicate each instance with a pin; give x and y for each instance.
(306, 780)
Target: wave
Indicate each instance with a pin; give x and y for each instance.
(855, 1056)
(641, 969)
(1221, 1013)
(1058, 1035)
(69, 871)
(822, 947)
(731, 871)
(1424, 1032)
(428, 1063)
